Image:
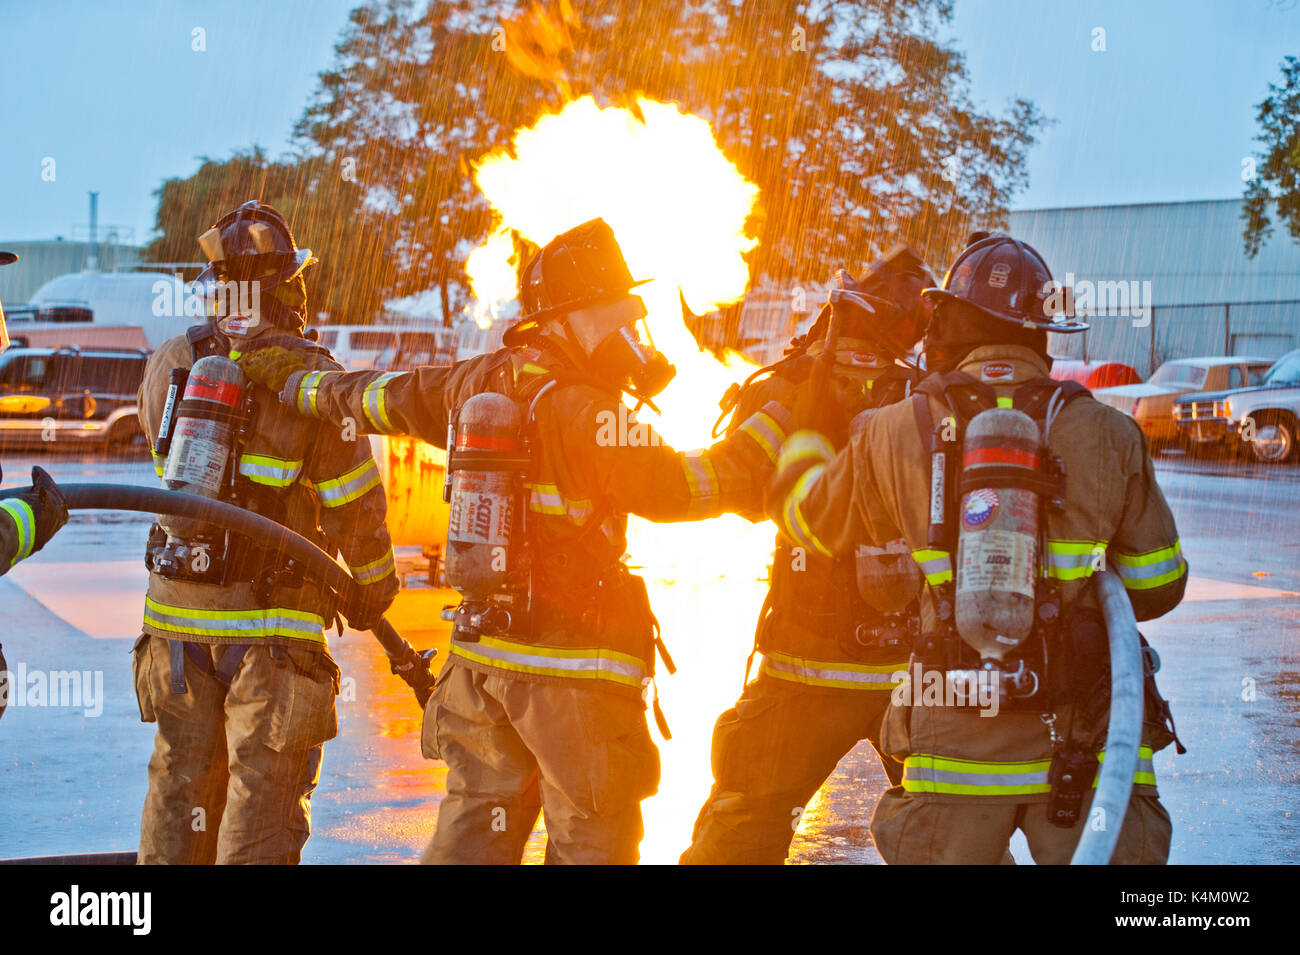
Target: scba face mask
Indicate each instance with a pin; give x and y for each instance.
(616, 337)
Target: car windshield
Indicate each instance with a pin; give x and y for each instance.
(1191, 376)
(1286, 371)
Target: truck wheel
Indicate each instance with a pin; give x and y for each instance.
(125, 438)
(1274, 441)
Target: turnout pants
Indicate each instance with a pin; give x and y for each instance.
(771, 753)
(234, 767)
(582, 756)
(920, 830)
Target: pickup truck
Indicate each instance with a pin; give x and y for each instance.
(1151, 404)
(1261, 417)
(69, 396)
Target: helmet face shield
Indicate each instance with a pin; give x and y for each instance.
(616, 337)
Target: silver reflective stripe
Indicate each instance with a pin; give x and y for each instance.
(307, 393)
(375, 570)
(1147, 571)
(943, 778)
(547, 499)
(375, 402)
(556, 663)
(263, 469)
(769, 435)
(350, 486)
(1072, 560)
(815, 673)
(935, 564)
(700, 477)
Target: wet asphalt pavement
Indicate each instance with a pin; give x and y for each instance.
(73, 779)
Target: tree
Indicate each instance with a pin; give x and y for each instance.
(1276, 183)
(850, 115)
(323, 209)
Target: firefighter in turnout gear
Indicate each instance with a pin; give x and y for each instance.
(829, 655)
(233, 664)
(541, 704)
(1007, 736)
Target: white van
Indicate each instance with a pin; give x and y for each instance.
(389, 347)
(357, 347)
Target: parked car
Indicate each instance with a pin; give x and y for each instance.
(56, 397)
(1261, 416)
(1151, 404)
(1095, 375)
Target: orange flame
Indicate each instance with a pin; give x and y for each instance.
(679, 208)
(536, 42)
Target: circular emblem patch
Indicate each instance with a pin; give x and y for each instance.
(979, 507)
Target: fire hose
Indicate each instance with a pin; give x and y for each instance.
(1124, 732)
(406, 662)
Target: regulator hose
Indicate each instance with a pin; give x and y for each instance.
(408, 663)
(1123, 732)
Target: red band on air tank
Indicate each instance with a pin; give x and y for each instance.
(1020, 459)
(481, 442)
(207, 389)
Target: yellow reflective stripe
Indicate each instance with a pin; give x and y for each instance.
(307, 390)
(1144, 775)
(374, 402)
(792, 519)
(349, 486)
(935, 564)
(596, 663)
(547, 499)
(374, 571)
(273, 472)
(848, 676)
(268, 622)
(923, 773)
(766, 432)
(1073, 559)
(1152, 569)
(702, 480)
(24, 525)
(805, 445)
(1004, 402)
(1159, 555)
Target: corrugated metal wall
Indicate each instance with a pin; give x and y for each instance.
(1192, 255)
(38, 262)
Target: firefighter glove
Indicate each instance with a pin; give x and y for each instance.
(272, 366)
(48, 507)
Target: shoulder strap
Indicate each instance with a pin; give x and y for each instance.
(1033, 397)
(205, 340)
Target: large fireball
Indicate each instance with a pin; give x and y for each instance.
(678, 207)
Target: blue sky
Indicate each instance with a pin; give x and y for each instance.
(115, 94)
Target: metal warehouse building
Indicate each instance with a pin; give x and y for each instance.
(1206, 296)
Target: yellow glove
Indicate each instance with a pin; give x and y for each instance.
(272, 366)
